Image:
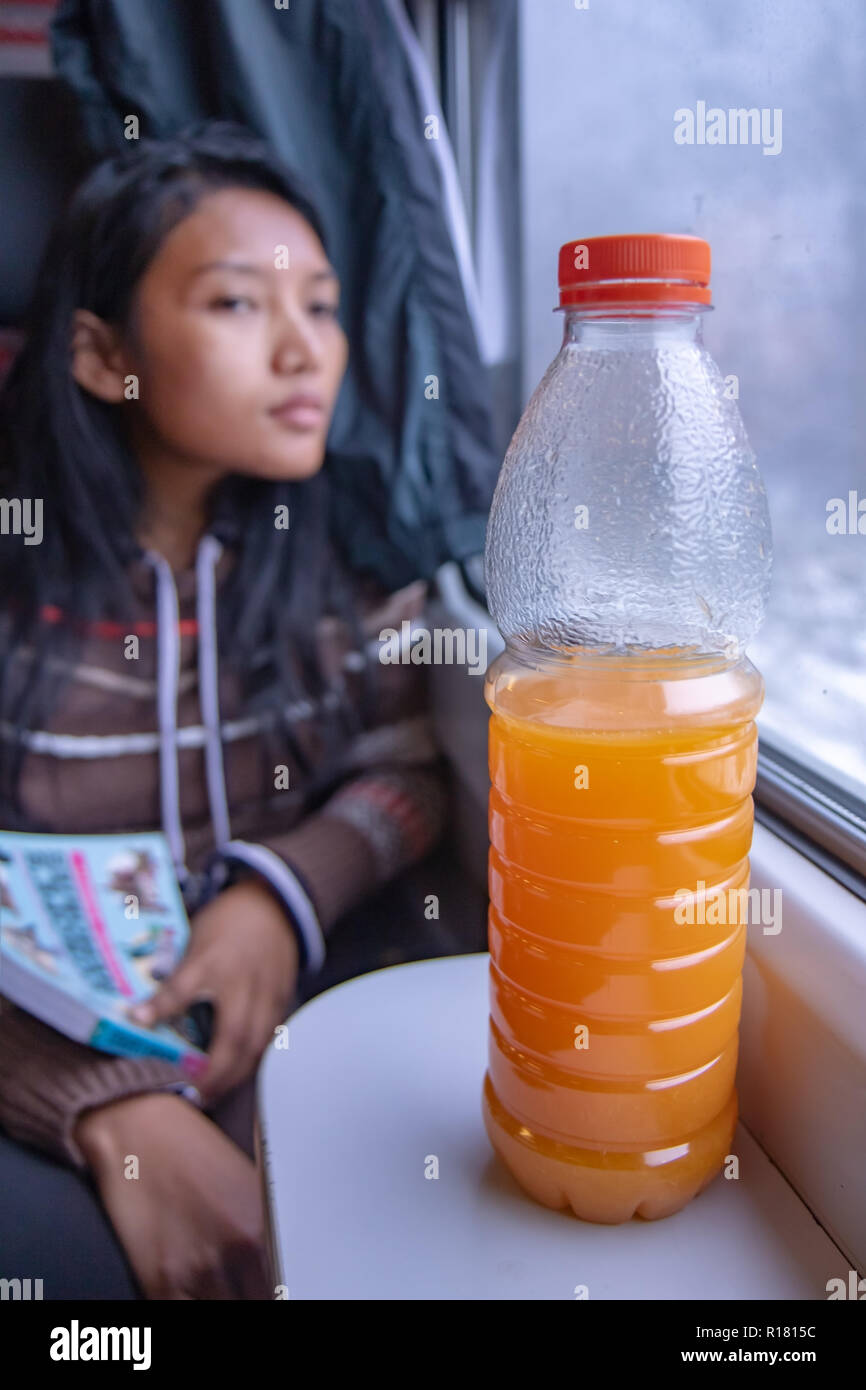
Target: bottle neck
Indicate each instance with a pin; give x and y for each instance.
(651, 327)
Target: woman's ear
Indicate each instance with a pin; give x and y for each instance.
(98, 360)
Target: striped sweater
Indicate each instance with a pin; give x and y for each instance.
(164, 742)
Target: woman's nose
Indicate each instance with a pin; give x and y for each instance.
(297, 343)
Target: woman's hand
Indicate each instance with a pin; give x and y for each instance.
(190, 1218)
(243, 957)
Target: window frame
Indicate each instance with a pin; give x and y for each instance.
(814, 815)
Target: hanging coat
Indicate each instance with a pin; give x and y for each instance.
(329, 85)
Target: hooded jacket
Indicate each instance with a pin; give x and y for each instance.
(165, 741)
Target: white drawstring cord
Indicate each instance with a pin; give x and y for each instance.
(209, 552)
(168, 672)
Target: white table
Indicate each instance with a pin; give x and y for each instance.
(383, 1072)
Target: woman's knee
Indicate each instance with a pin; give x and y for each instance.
(55, 1233)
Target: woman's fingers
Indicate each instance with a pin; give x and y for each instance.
(246, 1268)
(172, 998)
(235, 1049)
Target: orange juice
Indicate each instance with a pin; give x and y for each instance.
(619, 786)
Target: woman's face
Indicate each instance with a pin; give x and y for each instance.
(235, 342)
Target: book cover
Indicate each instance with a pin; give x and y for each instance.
(89, 925)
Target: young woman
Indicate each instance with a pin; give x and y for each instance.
(170, 410)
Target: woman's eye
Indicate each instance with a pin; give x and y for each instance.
(231, 301)
(324, 310)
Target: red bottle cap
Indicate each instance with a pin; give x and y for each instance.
(642, 268)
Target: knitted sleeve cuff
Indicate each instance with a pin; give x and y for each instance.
(47, 1081)
(291, 891)
(318, 870)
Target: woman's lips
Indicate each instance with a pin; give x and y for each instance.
(300, 413)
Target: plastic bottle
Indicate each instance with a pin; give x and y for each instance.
(627, 566)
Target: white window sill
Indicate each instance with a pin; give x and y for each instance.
(802, 1068)
(354, 1216)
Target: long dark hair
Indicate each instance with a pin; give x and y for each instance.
(62, 445)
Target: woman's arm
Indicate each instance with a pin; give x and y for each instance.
(242, 955)
(374, 826)
(389, 811)
(190, 1217)
(48, 1080)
